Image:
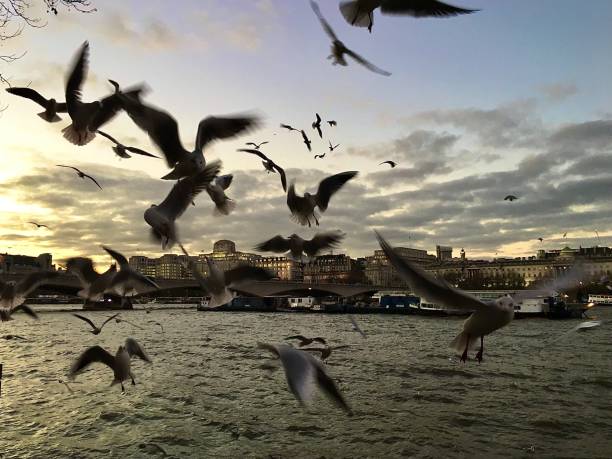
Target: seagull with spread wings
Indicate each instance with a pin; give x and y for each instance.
(317, 125)
(81, 174)
(332, 147)
(162, 217)
(163, 131)
(256, 146)
(269, 165)
(303, 207)
(122, 150)
(360, 13)
(339, 50)
(289, 128)
(51, 106)
(94, 329)
(120, 363)
(88, 117)
(510, 198)
(39, 225)
(128, 281)
(487, 316)
(390, 163)
(296, 246)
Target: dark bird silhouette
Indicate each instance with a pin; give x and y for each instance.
(307, 141)
(332, 123)
(93, 283)
(162, 129)
(302, 207)
(540, 239)
(317, 125)
(120, 363)
(325, 351)
(306, 341)
(13, 294)
(256, 146)
(122, 150)
(270, 166)
(304, 373)
(38, 225)
(216, 190)
(88, 117)
(81, 174)
(390, 163)
(360, 13)
(162, 217)
(510, 198)
(320, 156)
(51, 106)
(332, 147)
(339, 49)
(286, 126)
(94, 329)
(296, 245)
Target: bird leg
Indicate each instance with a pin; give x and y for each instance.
(465, 352)
(371, 21)
(481, 350)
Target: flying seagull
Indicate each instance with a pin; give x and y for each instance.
(317, 125)
(307, 141)
(303, 207)
(52, 108)
(162, 217)
(216, 191)
(162, 129)
(120, 363)
(306, 341)
(93, 283)
(219, 283)
(332, 147)
(122, 150)
(390, 163)
(81, 174)
(332, 123)
(487, 317)
(303, 373)
(13, 294)
(339, 49)
(320, 156)
(270, 166)
(95, 330)
(510, 198)
(128, 281)
(38, 225)
(296, 245)
(540, 239)
(356, 326)
(88, 117)
(257, 146)
(360, 13)
(286, 126)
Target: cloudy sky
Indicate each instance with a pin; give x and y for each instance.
(514, 99)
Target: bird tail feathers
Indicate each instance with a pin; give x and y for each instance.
(54, 118)
(461, 340)
(78, 137)
(220, 300)
(225, 208)
(353, 15)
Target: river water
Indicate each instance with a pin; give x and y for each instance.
(208, 394)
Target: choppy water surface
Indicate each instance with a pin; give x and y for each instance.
(207, 395)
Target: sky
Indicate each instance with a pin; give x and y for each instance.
(513, 99)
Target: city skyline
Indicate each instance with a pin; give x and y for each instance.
(536, 124)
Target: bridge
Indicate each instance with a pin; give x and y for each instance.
(69, 284)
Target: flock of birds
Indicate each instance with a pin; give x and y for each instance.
(193, 175)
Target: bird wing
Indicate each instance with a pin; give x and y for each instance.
(92, 179)
(161, 127)
(109, 137)
(212, 128)
(135, 349)
(69, 167)
(33, 280)
(356, 326)
(138, 151)
(263, 143)
(224, 181)
(320, 340)
(108, 320)
(29, 93)
(26, 309)
(425, 285)
(83, 269)
(319, 131)
(85, 319)
(330, 185)
(123, 262)
(246, 273)
(251, 143)
(567, 280)
(283, 177)
(293, 200)
(421, 8)
(328, 30)
(76, 77)
(111, 105)
(184, 191)
(277, 244)
(91, 355)
(286, 126)
(322, 241)
(254, 152)
(299, 371)
(327, 385)
(302, 338)
(367, 64)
